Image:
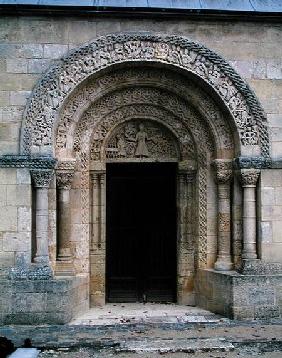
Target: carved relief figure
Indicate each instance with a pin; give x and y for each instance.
(121, 146)
(141, 147)
(142, 140)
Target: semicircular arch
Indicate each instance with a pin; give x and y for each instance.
(179, 52)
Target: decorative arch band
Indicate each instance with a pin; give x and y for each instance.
(66, 75)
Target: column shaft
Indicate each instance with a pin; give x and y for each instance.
(41, 179)
(223, 178)
(41, 218)
(64, 253)
(64, 264)
(249, 179)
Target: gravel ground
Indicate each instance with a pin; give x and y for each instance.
(249, 340)
(87, 353)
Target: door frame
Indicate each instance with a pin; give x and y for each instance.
(187, 231)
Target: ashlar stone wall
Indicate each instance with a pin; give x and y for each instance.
(28, 45)
(15, 223)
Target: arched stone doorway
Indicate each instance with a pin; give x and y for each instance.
(90, 110)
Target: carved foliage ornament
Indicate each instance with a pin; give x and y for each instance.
(249, 177)
(223, 170)
(65, 76)
(42, 177)
(64, 179)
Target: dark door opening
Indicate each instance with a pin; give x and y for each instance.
(141, 232)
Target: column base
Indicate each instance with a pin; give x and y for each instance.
(249, 256)
(223, 265)
(64, 268)
(42, 260)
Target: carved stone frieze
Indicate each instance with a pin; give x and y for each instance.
(26, 161)
(223, 170)
(42, 177)
(252, 162)
(68, 73)
(249, 177)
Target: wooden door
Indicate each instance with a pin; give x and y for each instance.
(141, 232)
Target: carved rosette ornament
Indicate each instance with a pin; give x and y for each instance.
(42, 177)
(249, 177)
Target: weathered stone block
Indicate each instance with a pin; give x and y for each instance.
(23, 176)
(266, 231)
(266, 312)
(261, 296)
(274, 69)
(7, 259)
(19, 98)
(38, 65)
(16, 65)
(12, 114)
(24, 218)
(54, 51)
(19, 195)
(8, 220)
(29, 302)
(16, 241)
(4, 98)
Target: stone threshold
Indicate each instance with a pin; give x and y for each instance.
(149, 313)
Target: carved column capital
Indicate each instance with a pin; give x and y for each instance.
(64, 179)
(249, 177)
(42, 177)
(65, 173)
(223, 170)
(94, 176)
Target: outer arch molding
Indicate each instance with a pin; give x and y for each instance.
(63, 77)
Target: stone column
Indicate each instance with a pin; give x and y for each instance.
(103, 209)
(223, 177)
(185, 279)
(98, 242)
(41, 179)
(64, 264)
(95, 210)
(249, 179)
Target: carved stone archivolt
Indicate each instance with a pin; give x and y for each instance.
(118, 105)
(67, 74)
(135, 77)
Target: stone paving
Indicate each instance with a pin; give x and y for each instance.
(151, 330)
(145, 313)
